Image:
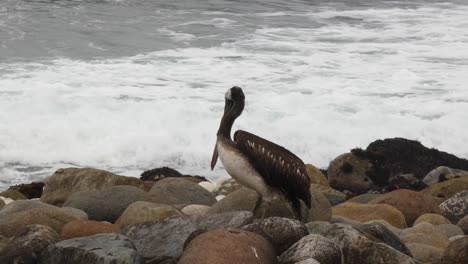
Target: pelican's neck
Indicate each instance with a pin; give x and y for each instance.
(230, 115)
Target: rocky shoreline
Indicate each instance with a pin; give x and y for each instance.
(405, 215)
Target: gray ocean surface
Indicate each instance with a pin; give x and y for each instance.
(128, 85)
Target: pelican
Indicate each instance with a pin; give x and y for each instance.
(257, 163)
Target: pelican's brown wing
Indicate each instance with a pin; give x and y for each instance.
(278, 166)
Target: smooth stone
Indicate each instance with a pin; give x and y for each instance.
(443, 173)
(318, 227)
(450, 230)
(209, 186)
(15, 223)
(2, 204)
(97, 249)
(139, 212)
(357, 248)
(425, 233)
(28, 245)
(320, 209)
(228, 246)
(348, 172)
(65, 182)
(425, 253)
(316, 176)
(30, 190)
(378, 231)
(448, 188)
(333, 196)
(308, 261)
(412, 204)
(457, 251)
(456, 207)
(106, 204)
(13, 194)
(463, 224)
(336, 219)
(366, 212)
(365, 198)
(80, 228)
(283, 232)
(22, 205)
(226, 187)
(314, 246)
(158, 240)
(434, 219)
(179, 191)
(195, 209)
(395, 230)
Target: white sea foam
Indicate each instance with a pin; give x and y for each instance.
(317, 91)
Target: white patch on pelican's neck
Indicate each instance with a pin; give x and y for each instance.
(228, 95)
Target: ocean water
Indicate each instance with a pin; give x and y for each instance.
(128, 85)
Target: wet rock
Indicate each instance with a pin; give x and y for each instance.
(381, 233)
(425, 253)
(456, 252)
(102, 248)
(463, 224)
(283, 232)
(434, 219)
(455, 208)
(80, 228)
(229, 246)
(443, 173)
(318, 227)
(195, 209)
(13, 194)
(447, 189)
(316, 176)
(425, 233)
(106, 204)
(317, 247)
(27, 246)
(358, 248)
(348, 172)
(412, 204)
(450, 230)
(30, 190)
(164, 239)
(367, 212)
(179, 191)
(141, 211)
(364, 198)
(15, 223)
(65, 182)
(226, 187)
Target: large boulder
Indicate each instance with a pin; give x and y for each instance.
(457, 251)
(160, 240)
(65, 182)
(106, 204)
(367, 212)
(434, 219)
(443, 173)
(139, 212)
(448, 188)
(13, 194)
(15, 223)
(80, 228)
(27, 246)
(316, 176)
(425, 233)
(317, 247)
(101, 249)
(283, 232)
(357, 248)
(456, 207)
(30, 190)
(348, 172)
(228, 246)
(179, 191)
(425, 253)
(412, 204)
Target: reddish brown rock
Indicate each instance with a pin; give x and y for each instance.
(448, 188)
(227, 247)
(366, 212)
(80, 228)
(412, 204)
(425, 233)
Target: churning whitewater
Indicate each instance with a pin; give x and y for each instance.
(131, 85)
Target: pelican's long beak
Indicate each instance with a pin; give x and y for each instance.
(214, 159)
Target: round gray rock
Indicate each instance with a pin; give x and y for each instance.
(179, 191)
(314, 246)
(106, 204)
(455, 208)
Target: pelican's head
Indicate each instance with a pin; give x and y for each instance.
(235, 100)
